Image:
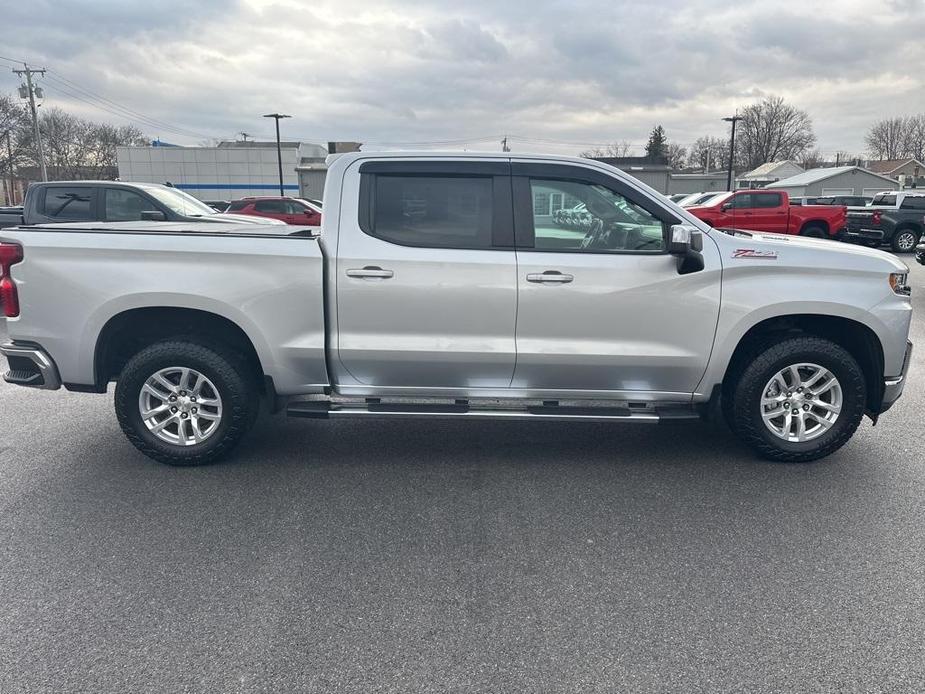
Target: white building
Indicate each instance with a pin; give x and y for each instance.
(769, 173)
(226, 172)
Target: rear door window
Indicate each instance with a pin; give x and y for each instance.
(272, 206)
(433, 211)
(73, 203)
(766, 200)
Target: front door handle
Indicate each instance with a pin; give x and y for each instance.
(549, 276)
(370, 272)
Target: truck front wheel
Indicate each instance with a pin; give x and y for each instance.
(183, 403)
(799, 400)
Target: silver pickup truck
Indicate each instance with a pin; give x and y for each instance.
(444, 286)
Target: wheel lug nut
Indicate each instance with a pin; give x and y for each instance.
(173, 409)
(182, 392)
(173, 398)
(786, 404)
(789, 395)
(796, 412)
(184, 416)
(196, 409)
(806, 407)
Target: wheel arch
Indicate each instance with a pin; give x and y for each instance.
(131, 330)
(859, 339)
(818, 223)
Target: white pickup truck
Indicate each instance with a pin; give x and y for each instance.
(442, 285)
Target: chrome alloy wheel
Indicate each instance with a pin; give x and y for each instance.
(801, 402)
(180, 406)
(906, 241)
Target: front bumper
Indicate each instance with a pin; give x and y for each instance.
(893, 387)
(30, 366)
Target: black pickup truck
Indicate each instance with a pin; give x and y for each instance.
(114, 201)
(894, 218)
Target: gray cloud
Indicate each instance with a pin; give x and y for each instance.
(409, 70)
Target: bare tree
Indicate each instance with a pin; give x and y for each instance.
(677, 155)
(914, 137)
(811, 159)
(709, 153)
(888, 138)
(614, 149)
(772, 130)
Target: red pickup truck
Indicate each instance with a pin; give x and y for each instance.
(771, 211)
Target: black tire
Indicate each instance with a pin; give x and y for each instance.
(814, 231)
(904, 240)
(748, 389)
(232, 377)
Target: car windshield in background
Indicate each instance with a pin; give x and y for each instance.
(720, 198)
(180, 202)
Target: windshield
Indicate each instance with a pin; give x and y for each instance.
(180, 202)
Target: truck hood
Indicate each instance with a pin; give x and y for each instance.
(755, 245)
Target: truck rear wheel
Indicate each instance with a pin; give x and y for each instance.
(904, 241)
(182, 403)
(799, 400)
(815, 231)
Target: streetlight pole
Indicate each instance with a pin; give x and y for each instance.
(732, 147)
(279, 151)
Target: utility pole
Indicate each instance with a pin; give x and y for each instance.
(279, 150)
(504, 147)
(28, 72)
(245, 135)
(9, 163)
(732, 147)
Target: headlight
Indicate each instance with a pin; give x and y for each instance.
(899, 285)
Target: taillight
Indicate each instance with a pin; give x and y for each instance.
(875, 217)
(10, 254)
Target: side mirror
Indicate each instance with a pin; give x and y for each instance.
(153, 216)
(686, 243)
(726, 206)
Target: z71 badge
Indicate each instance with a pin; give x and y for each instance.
(754, 254)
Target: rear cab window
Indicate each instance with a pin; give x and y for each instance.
(69, 202)
(885, 200)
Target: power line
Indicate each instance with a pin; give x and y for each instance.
(61, 79)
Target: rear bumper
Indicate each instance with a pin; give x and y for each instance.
(893, 387)
(30, 366)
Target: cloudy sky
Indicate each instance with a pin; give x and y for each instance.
(553, 75)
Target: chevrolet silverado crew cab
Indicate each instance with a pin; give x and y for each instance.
(770, 211)
(114, 201)
(442, 286)
(894, 218)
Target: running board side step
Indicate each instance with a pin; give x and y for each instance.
(326, 410)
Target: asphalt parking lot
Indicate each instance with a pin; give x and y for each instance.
(456, 556)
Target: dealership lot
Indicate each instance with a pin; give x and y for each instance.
(423, 556)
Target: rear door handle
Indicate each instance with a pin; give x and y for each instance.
(549, 276)
(371, 272)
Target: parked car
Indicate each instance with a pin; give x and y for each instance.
(677, 197)
(470, 304)
(895, 218)
(218, 205)
(115, 201)
(771, 211)
(288, 210)
(920, 253)
(700, 198)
